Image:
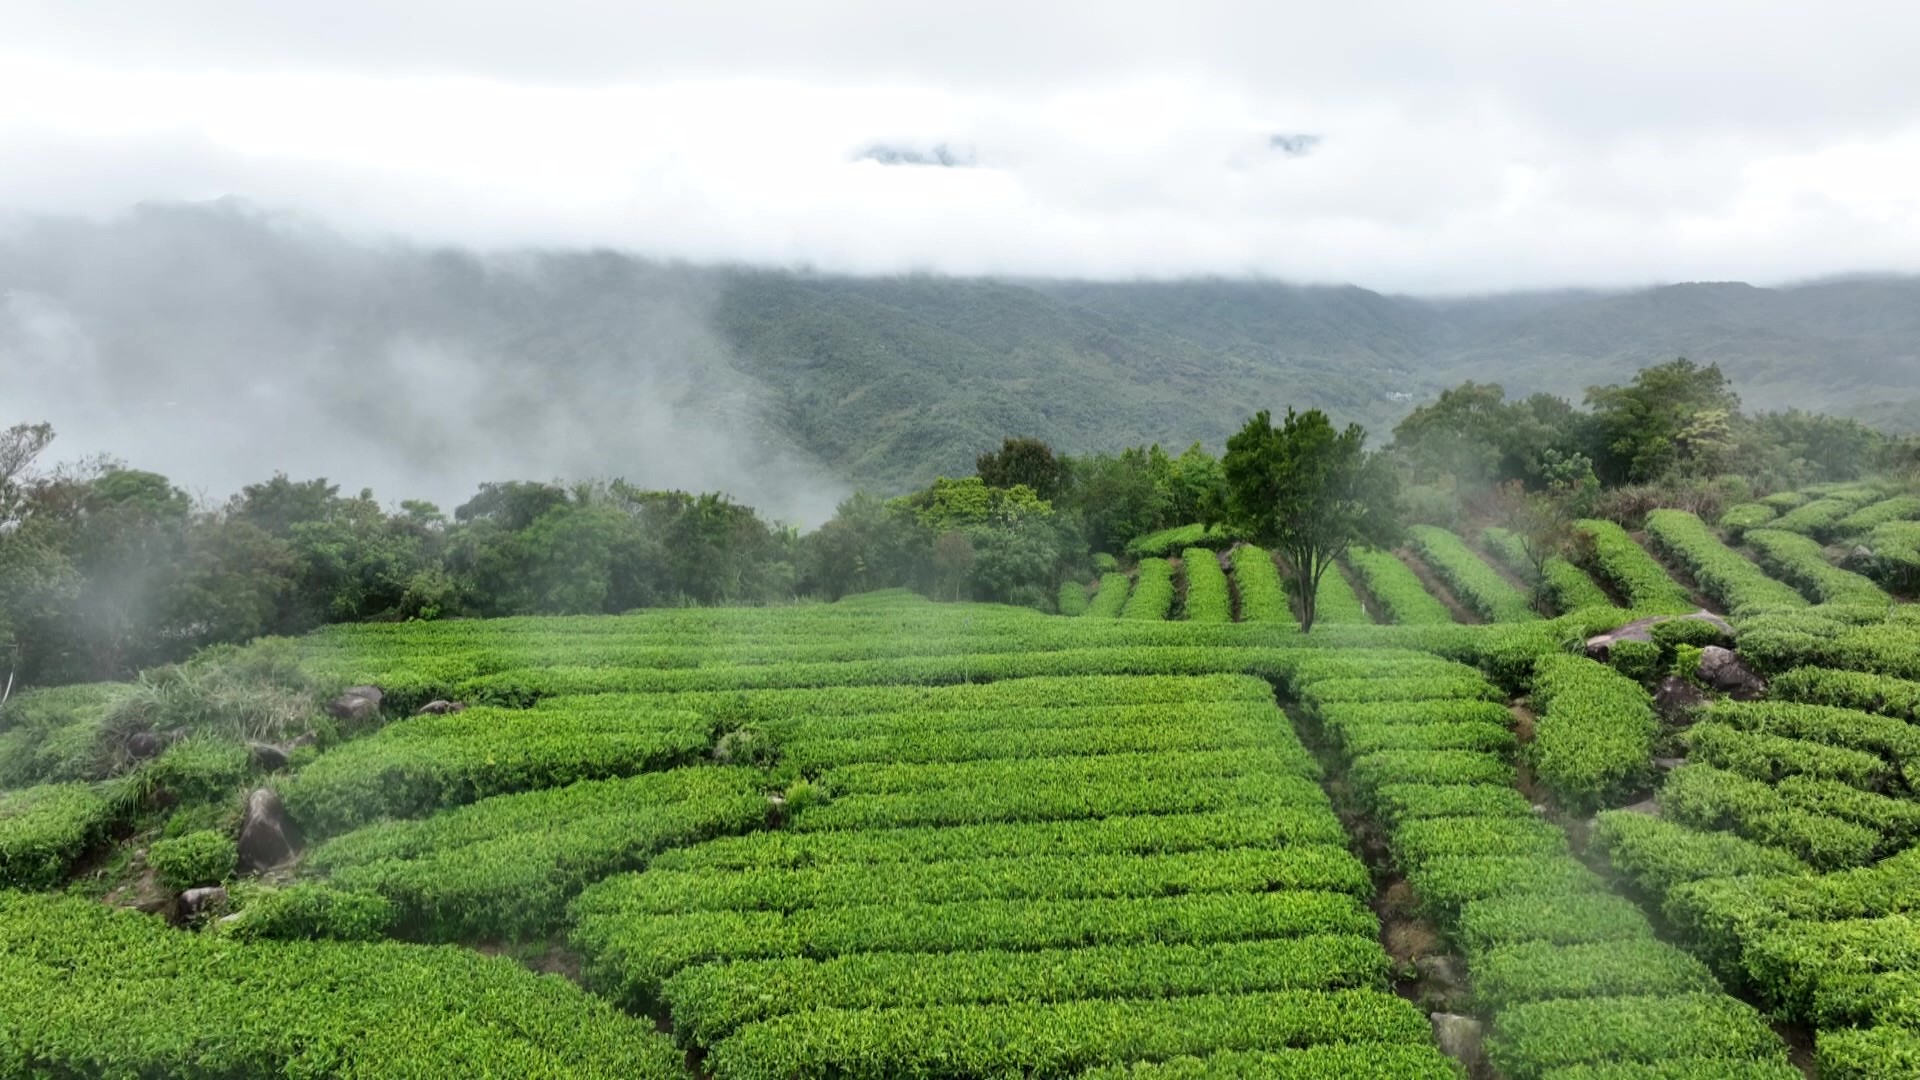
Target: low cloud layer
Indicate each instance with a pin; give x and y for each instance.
(1460, 147)
(214, 348)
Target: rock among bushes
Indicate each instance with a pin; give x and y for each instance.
(1723, 670)
(267, 838)
(356, 705)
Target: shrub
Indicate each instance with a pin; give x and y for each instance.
(1642, 580)
(1054, 1040)
(1637, 660)
(94, 991)
(1207, 597)
(1401, 802)
(199, 858)
(1473, 581)
(44, 830)
(1349, 1061)
(309, 911)
(1657, 855)
(1152, 596)
(201, 769)
(1112, 596)
(1859, 690)
(1573, 919)
(1771, 757)
(1802, 562)
(1593, 739)
(1738, 519)
(1873, 515)
(1896, 555)
(1539, 971)
(1869, 1054)
(1179, 537)
(1262, 597)
(1708, 798)
(414, 767)
(1335, 602)
(711, 1001)
(1528, 1040)
(1405, 601)
(1673, 633)
(1073, 598)
(1730, 579)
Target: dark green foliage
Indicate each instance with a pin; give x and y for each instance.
(1309, 491)
(1539, 971)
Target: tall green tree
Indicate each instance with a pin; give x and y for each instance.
(1311, 492)
(1022, 461)
(1673, 418)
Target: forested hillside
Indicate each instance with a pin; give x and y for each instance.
(243, 336)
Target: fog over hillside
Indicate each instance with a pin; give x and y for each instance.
(218, 343)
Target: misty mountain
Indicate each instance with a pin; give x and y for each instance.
(218, 344)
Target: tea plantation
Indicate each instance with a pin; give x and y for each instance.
(1164, 835)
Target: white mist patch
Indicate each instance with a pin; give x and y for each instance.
(218, 350)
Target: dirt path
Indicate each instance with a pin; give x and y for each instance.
(1431, 581)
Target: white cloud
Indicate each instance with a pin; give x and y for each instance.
(1484, 146)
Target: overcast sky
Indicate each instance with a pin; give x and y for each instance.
(1461, 146)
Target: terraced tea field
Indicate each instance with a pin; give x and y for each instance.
(1171, 836)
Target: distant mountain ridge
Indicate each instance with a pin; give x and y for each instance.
(776, 381)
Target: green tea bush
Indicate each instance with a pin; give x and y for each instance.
(1803, 562)
(1179, 537)
(1262, 597)
(1890, 738)
(1539, 971)
(201, 769)
(505, 867)
(1573, 919)
(1396, 803)
(1073, 598)
(1770, 758)
(1054, 1040)
(414, 767)
(1446, 885)
(1405, 601)
(1820, 518)
(1738, 519)
(1896, 555)
(1868, 1054)
(1873, 515)
(1593, 739)
(1335, 603)
(1733, 582)
(666, 892)
(94, 991)
(1207, 597)
(1529, 1040)
(1152, 596)
(309, 911)
(1858, 690)
(1477, 585)
(1419, 841)
(44, 830)
(1347, 1061)
(1708, 798)
(1144, 834)
(199, 858)
(1112, 597)
(1787, 500)
(1657, 855)
(1699, 633)
(1640, 661)
(711, 1001)
(629, 954)
(1639, 577)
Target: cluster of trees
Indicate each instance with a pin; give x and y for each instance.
(1673, 424)
(106, 569)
